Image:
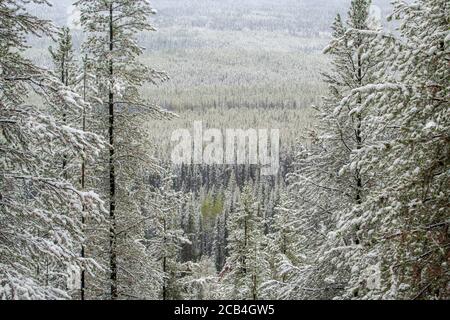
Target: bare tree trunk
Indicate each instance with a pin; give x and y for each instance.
(255, 288)
(83, 187)
(112, 171)
(164, 291)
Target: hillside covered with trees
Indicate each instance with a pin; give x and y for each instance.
(93, 207)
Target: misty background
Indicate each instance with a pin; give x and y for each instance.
(217, 51)
(227, 60)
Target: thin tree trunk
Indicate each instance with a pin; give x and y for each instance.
(359, 142)
(164, 293)
(358, 132)
(64, 81)
(255, 289)
(112, 173)
(244, 258)
(83, 187)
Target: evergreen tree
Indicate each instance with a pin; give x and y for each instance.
(191, 226)
(63, 58)
(405, 220)
(219, 242)
(332, 181)
(167, 239)
(284, 254)
(199, 281)
(39, 261)
(246, 267)
(112, 27)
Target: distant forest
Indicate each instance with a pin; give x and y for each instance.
(93, 207)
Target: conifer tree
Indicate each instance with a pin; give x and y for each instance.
(65, 69)
(331, 167)
(284, 253)
(167, 239)
(112, 27)
(38, 262)
(246, 267)
(191, 225)
(404, 220)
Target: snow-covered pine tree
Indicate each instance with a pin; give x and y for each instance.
(246, 268)
(284, 246)
(112, 27)
(200, 281)
(39, 261)
(405, 220)
(191, 226)
(331, 182)
(421, 153)
(165, 240)
(231, 194)
(220, 241)
(74, 169)
(63, 58)
(89, 175)
(65, 69)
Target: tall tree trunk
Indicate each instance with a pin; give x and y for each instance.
(112, 173)
(255, 287)
(358, 133)
(244, 258)
(164, 289)
(83, 187)
(359, 142)
(64, 75)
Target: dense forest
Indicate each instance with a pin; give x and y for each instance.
(92, 206)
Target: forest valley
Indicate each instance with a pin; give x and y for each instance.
(92, 206)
